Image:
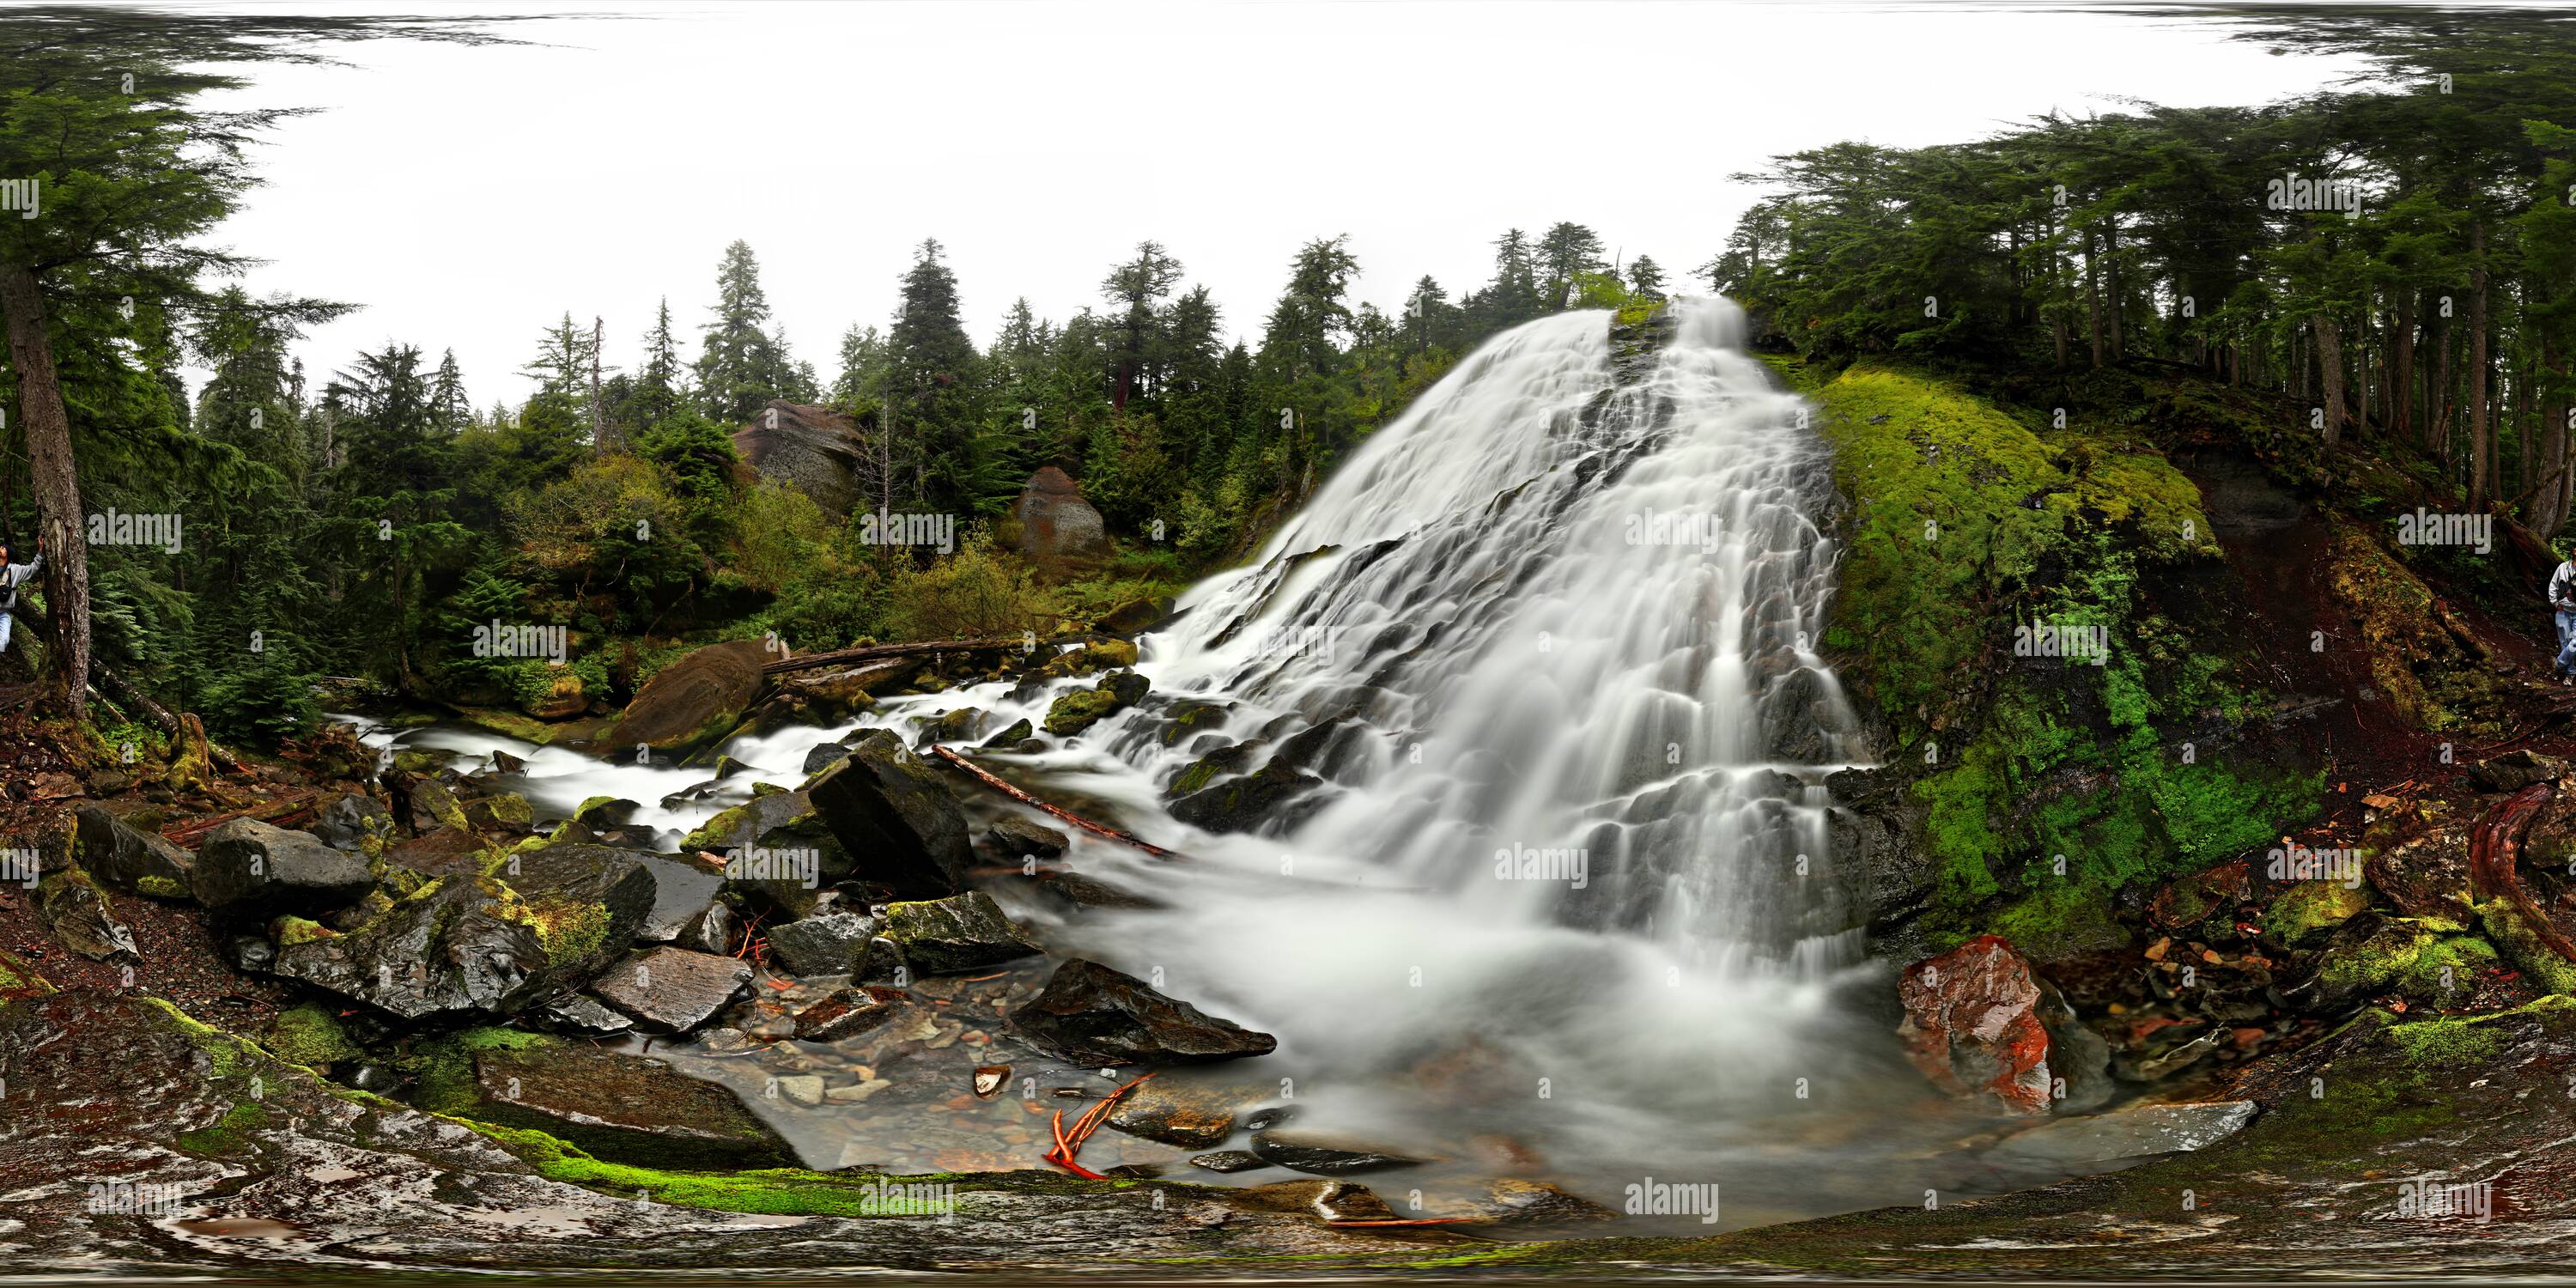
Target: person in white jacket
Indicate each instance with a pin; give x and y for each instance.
(2562, 598)
(14, 575)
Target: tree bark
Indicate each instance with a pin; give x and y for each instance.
(2093, 293)
(53, 479)
(2549, 508)
(2330, 373)
(2481, 429)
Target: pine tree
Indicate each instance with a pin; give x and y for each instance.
(741, 367)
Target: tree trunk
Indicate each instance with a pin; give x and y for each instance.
(2481, 428)
(54, 481)
(2330, 371)
(2111, 283)
(2549, 508)
(2093, 294)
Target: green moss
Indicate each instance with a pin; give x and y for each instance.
(1196, 776)
(2515, 939)
(2304, 913)
(160, 887)
(442, 1069)
(225, 1137)
(1079, 710)
(311, 1036)
(290, 931)
(17, 979)
(722, 830)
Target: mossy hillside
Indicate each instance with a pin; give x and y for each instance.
(1967, 526)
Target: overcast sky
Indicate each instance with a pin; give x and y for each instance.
(469, 197)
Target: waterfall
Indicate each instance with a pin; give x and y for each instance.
(1565, 613)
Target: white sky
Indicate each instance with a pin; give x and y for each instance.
(468, 197)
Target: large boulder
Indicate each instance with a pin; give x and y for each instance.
(249, 869)
(672, 990)
(359, 824)
(816, 450)
(825, 944)
(897, 819)
(491, 945)
(1095, 1016)
(1055, 520)
(691, 702)
(615, 1106)
(953, 935)
(1979, 1021)
(129, 858)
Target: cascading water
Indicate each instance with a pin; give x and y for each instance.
(1549, 637)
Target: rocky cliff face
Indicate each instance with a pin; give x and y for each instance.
(813, 449)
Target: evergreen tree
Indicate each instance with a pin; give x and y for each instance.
(741, 366)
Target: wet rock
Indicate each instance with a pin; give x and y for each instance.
(581, 1016)
(881, 962)
(447, 852)
(778, 852)
(827, 944)
(2308, 911)
(990, 1079)
(1017, 732)
(711, 930)
(1512, 1199)
(1184, 718)
(1190, 1115)
(1323, 1156)
(848, 1012)
(505, 763)
(691, 702)
(672, 990)
(73, 907)
(683, 889)
(129, 858)
(953, 935)
(1071, 713)
(250, 870)
(500, 812)
(619, 1107)
(2517, 769)
(2373, 955)
(895, 816)
(824, 755)
(1979, 1021)
(1267, 1118)
(1096, 1017)
(1021, 837)
(358, 824)
(1244, 804)
(1072, 892)
(2426, 875)
(954, 726)
(2136, 1132)
(427, 805)
(1328, 1200)
(485, 945)
(1228, 1161)
(804, 1089)
(831, 695)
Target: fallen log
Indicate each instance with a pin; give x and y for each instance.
(925, 648)
(276, 811)
(989, 779)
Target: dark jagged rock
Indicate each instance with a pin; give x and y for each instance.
(778, 851)
(2516, 769)
(428, 805)
(1136, 616)
(1319, 1157)
(1010, 738)
(1096, 1016)
(710, 931)
(954, 935)
(1074, 892)
(953, 726)
(358, 824)
(485, 945)
(895, 818)
(1019, 837)
(81, 916)
(691, 702)
(672, 990)
(682, 889)
(848, 1012)
(824, 755)
(447, 852)
(129, 858)
(1245, 803)
(253, 871)
(827, 944)
(619, 1107)
(581, 1016)
(1228, 1161)
(500, 812)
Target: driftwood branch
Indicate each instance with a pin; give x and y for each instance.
(1096, 829)
(882, 652)
(276, 811)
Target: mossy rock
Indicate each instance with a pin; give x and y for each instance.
(1074, 712)
(2310, 910)
(309, 1035)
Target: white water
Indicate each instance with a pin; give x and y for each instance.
(1520, 673)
